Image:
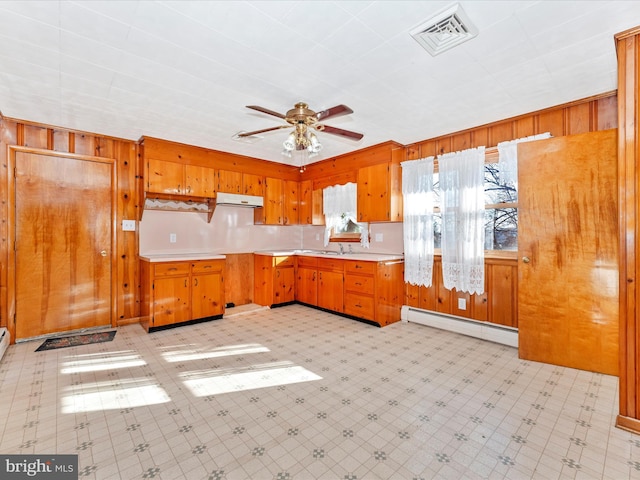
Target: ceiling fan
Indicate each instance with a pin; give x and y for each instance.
(302, 118)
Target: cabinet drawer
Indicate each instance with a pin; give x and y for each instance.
(359, 306)
(330, 264)
(167, 269)
(359, 283)
(368, 268)
(207, 266)
(307, 262)
(284, 261)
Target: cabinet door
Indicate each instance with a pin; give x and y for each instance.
(273, 201)
(229, 182)
(165, 177)
(170, 300)
(305, 206)
(252, 184)
(207, 295)
(373, 193)
(330, 290)
(284, 285)
(200, 181)
(291, 203)
(307, 286)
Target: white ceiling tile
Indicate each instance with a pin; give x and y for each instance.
(185, 70)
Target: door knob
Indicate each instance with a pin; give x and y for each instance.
(526, 259)
(103, 253)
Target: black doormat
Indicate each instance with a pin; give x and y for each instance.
(75, 340)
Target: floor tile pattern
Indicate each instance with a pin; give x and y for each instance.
(295, 393)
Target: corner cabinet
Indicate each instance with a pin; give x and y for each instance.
(174, 292)
(380, 193)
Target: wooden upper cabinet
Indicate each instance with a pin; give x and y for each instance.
(252, 184)
(380, 193)
(229, 181)
(180, 179)
(273, 201)
(310, 206)
(238, 182)
(165, 177)
(200, 181)
(291, 205)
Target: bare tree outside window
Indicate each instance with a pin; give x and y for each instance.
(501, 214)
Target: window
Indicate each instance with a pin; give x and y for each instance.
(501, 211)
(340, 204)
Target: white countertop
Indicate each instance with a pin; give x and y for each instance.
(181, 257)
(364, 256)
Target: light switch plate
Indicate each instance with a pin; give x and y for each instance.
(128, 225)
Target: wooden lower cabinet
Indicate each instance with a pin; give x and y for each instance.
(331, 284)
(274, 279)
(307, 280)
(181, 291)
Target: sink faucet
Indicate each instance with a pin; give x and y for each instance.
(341, 249)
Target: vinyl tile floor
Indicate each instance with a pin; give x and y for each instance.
(297, 393)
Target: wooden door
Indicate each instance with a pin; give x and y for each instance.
(63, 239)
(568, 248)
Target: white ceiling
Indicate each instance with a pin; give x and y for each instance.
(185, 70)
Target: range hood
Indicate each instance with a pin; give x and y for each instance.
(239, 200)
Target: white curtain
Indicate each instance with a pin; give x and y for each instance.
(508, 158)
(339, 203)
(417, 227)
(462, 196)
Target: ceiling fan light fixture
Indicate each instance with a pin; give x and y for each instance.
(290, 143)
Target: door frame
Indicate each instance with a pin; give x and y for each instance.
(13, 150)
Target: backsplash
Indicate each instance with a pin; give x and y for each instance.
(232, 231)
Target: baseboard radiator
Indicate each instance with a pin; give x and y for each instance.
(4, 341)
(473, 328)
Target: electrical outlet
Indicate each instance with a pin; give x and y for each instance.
(128, 225)
(462, 304)
(172, 238)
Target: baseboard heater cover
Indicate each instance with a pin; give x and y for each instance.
(473, 328)
(4, 341)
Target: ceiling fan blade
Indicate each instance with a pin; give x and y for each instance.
(266, 110)
(333, 112)
(342, 133)
(255, 132)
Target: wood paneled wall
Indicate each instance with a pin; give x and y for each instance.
(14, 132)
(587, 115)
(628, 49)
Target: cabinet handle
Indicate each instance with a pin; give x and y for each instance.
(172, 269)
(185, 283)
(359, 284)
(277, 273)
(314, 276)
(358, 266)
(196, 282)
(526, 259)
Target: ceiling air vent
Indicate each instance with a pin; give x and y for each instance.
(444, 30)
